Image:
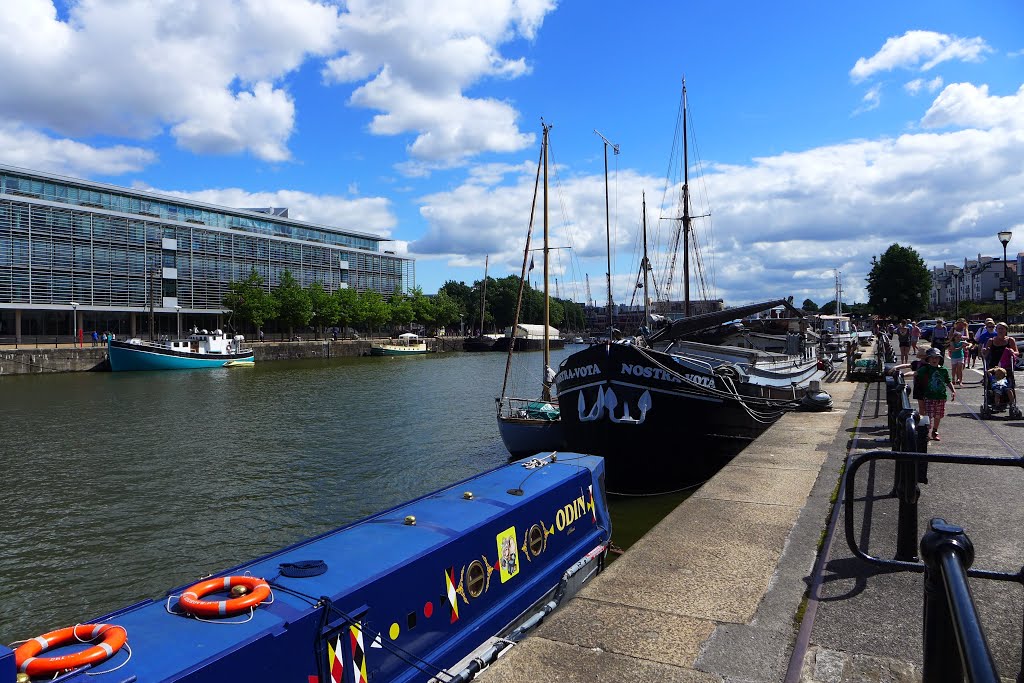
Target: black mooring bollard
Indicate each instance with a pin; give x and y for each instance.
(953, 638)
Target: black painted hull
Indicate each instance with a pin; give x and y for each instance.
(661, 421)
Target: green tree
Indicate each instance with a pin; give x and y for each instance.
(374, 311)
(249, 301)
(898, 283)
(423, 308)
(324, 305)
(447, 310)
(463, 295)
(295, 309)
(809, 306)
(402, 312)
(347, 302)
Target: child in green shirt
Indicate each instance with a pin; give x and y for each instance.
(935, 378)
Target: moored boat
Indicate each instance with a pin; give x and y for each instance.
(202, 349)
(408, 345)
(531, 425)
(433, 589)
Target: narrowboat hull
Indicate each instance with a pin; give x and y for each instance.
(409, 594)
(125, 357)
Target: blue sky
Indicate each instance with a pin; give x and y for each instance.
(824, 132)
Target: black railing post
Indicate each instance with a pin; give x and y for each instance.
(954, 642)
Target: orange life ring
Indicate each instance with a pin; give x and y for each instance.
(27, 661)
(192, 600)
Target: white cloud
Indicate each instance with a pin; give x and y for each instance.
(919, 85)
(871, 100)
(965, 104)
(782, 223)
(919, 50)
(204, 70)
(418, 57)
(365, 214)
(20, 146)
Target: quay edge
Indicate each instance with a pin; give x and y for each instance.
(713, 591)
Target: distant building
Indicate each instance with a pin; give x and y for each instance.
(977, 279)
(104, 254)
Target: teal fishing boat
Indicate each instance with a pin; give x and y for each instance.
(201, 350)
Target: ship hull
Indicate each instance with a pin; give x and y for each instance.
(130, 357)
(660, 421)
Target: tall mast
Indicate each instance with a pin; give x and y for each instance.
(546, 393)
(645, 265)
(608, 229)
(686, 214)
(483, 296)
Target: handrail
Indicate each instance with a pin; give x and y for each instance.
(953, 637)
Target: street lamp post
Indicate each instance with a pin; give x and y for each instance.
(178, 311)
(1004, 237)
(74, 321)
(956, 293)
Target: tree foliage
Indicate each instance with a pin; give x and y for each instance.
(809, 306)
(249, 301)
(324, 306)
(294, 307)
(898, 283)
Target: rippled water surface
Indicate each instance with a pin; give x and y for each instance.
(121, 486)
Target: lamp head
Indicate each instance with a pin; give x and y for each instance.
(1004, 237)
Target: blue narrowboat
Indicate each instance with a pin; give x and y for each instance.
(431, 590)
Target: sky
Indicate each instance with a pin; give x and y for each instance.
(822, 132)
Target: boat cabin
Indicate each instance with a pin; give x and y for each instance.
(524, 331)
(200, 342)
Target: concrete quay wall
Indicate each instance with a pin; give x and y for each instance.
(712, 592)
(26, 361)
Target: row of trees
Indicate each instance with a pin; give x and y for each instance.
(296, 308)
(502, 294)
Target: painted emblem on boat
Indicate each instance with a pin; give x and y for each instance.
(508, 552)
(334, 663)
(358, 654)
(449, 580)
(608, 400)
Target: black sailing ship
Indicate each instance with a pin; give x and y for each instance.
(666, 411)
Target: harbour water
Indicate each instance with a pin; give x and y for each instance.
(120, 486)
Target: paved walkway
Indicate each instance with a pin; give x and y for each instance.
(716, 591)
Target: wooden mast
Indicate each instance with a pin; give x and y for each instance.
(686, 214)
(645, 265)
(483, 295)
(546, 388)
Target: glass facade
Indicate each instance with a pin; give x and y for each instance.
(62, 242)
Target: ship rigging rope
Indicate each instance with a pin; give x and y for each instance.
(776, 407)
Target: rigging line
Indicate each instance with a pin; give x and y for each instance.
(566, 224)
(522, 276)
(704, 192)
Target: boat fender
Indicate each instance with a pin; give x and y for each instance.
(27, 661)
(303, 569)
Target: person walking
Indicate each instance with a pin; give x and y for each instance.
(934, 378)
(903, 335)
(915, 336)
(1001, 350)
(940, 337)
(958, 347)
(981, 338)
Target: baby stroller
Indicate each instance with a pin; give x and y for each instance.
(993, 401)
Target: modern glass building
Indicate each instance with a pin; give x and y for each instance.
(103, 256)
